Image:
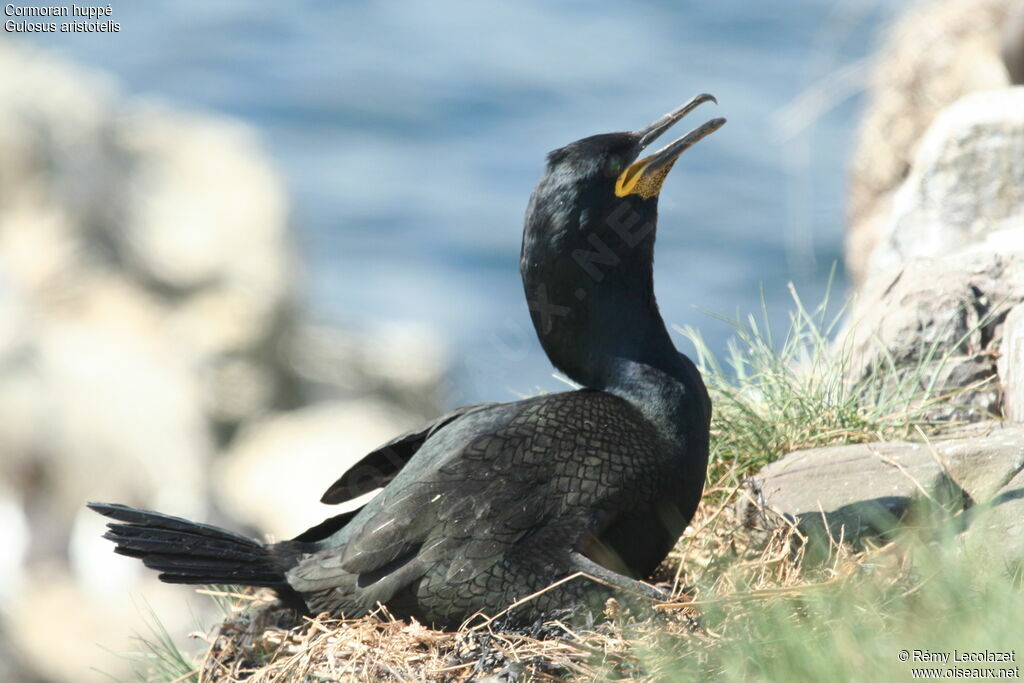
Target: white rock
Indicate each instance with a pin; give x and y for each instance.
(967, 180)
(124, 418)
(101, 573)
(277, 470)
(202, 204)
(187, 207)
(93, 630)
(53, 123)
(934, 54)
(145, 293)
(16, 540)
(404, 363)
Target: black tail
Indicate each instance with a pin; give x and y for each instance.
(188, 552)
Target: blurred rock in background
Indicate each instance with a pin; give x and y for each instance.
(150, 329)
(1012, 47)
(965, 182)
(256, 480)
(935, 245)
(935, 54)
(935, 242)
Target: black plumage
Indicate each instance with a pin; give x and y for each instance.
(492, 503)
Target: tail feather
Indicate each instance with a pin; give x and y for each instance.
(148, 540)
(193, 553)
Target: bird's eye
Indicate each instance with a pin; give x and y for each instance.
(613, 166)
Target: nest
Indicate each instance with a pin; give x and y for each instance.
(263, 642)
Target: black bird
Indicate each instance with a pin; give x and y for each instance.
(495, 502)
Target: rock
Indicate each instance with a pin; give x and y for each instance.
(95, 401)
(184, 207)
(955, 390)
(982, 460)
(55, 139)
(1011, 365)
(16, 543)
(13, 665)
(22, 394)
(69, 634)
(187, 209)
(278, 468)
(1013, 44)
(934, 55)
(101, 380)
(202, 220)
(402, 365)
(862, 237)
(144, 270)
(995, 532)
(946, 257)
(865, 491)
(123, 415)
(966, 181)
(847, 492)
(201, 205)
(146, 310)
(942, 318)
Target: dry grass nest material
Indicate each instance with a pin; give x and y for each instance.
(263, 642)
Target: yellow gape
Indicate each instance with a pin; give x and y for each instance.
(646, 176)
(642, 180)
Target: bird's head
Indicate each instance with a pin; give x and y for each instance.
(598, 193)
(609, 161)
(598, 172)
(588, 243)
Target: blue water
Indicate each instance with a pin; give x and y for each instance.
(411, 134)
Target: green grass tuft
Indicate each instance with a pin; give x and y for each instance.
(853, 629)
(774, 396)
(159, 658)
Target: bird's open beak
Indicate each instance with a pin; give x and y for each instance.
(645, 176)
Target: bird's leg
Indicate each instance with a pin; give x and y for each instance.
(587, 586)
(589, 568)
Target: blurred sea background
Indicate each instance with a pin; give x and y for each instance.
(410, 136)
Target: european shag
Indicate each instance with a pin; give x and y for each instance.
(492, 503)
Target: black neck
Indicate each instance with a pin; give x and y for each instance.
(588, 276)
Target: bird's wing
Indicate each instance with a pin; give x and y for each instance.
(460, 472)
(378, 468)
(477, 489)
